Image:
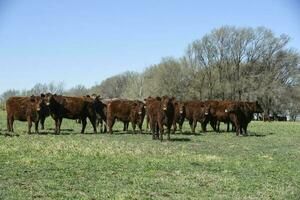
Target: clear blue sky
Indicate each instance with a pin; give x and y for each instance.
(84, 42)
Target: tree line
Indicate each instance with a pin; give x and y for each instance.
(229, 63)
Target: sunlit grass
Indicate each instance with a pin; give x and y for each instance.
(265, 165)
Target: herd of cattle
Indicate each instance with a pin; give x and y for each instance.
(160, 112)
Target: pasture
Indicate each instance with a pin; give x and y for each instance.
(265, 165)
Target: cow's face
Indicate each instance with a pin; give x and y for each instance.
(99, 107)
(46, 98)
(206, 110)
(37, 103)
(181, 108)
(258, 108)
(165, 103)
(141, 108)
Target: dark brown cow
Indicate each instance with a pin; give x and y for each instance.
(196, 111)
(161, 113)
(28, 109)
(71, 108)
(245, 114)
(179, 115)
(125, 111)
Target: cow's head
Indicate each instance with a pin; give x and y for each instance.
(139, 110)
(258, 108)
(167, 103)
(37, 103)
(46, 98)
(99, 107)
(206, 109)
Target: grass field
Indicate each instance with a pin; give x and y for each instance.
(265, 165)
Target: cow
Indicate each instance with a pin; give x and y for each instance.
(239, 113)
(218, 113)
(161, 112)
(246, 112)
(125, 111)
(30, 109)
(71, 108)
(196, 111)
(148, 101)
(101, 111)
(179, 115)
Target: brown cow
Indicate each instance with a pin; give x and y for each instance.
(25, 109)
(224, 111)
(148, 101)
(196, 111)
(71, 108)
(125, 111)
(237, 112)
(161, 113)
(179, 115)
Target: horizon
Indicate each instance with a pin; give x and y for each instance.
(82, 43)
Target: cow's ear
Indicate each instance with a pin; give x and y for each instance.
(43, 95)
(88, 96)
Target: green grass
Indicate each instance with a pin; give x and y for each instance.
(127, 166)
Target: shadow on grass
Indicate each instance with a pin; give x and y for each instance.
(180, 139)
(65, 129)
(8, 134)
(252, 134)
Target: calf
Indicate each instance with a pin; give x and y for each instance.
(28, 109)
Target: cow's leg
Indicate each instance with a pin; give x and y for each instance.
(227, 126)
(36, 127)
(147, 123)
(180, 128)
(191, 124)
(105, 127)
(8, 119)
(56, 125)
(169, 131)
(110, 124)
(213, 124)
(42, 123)
(153, 129)
(11, 124)
(93, 121)
(161, 131)
(83, 122)
(174, 127)
(194, 126)
(133, 127)
(141, 128)
(203, 126)
(29, 125)
(100, 122)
